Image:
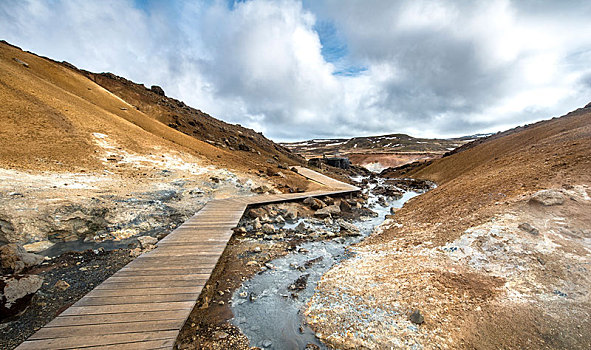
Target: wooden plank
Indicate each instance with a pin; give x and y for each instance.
(109, 328)
(135, 299)
(141, 345)
(143, 291)
(158, 284)
(106, 339)
(165, 272)
(161, 278)
(115, 309)
(62, 321)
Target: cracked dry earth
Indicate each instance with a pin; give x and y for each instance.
(519, 280)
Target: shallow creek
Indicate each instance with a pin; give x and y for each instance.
(268, 309)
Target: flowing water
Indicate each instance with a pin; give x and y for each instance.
(269, 312)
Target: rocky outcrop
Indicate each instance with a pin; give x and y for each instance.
(157, 90)
(16, 293)
(14, 259)
(548, 197)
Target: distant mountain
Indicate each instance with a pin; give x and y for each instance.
(379, 152)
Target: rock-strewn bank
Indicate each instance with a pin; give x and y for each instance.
(487, 259)
(266, 233)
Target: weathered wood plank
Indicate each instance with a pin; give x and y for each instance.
(62, 321)
(85, 341)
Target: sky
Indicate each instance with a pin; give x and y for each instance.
(308, 69)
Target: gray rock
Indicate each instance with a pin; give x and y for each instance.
(345, 206)
(16, 293)
(348, 229)
(291, 214)
(256, 224)
(301, 227)
(416, 317)
(548, 197)
(14, 258)
(268, 228)
(147, 242)
(267, 343)
(529, 228)
(328, 211)
(314, 203)
(157, 90)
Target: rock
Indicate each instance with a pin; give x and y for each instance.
(279, 219)
(294, 169)
(268, 228)
(345, 206)
(147, 242)
(256, 224)
(529, 228)
(23, 63)
(311, 346)
(291, 214)
(267, 343)
(157, 90)
(16, 293)
(416, 317)
(14, 258)
(347, 228)
(256, 213)
(219, 335)
(61, 285)
(328, 211)
(314, 203)
(548, 197)
(299, 284)
(244, 147)
(301, 227)
(328, 200)
(393, 210)
(37, 247)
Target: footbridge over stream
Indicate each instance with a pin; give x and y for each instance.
(146, 303)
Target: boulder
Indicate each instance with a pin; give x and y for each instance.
(529, 228)
(416, 317)
(268, 228)
(14, 258)
(256, 224)
(147, 242)
(328, 211)
(157, 90)
(347, 228)
(314, 203)
(301, 227)
(256, 213)
(345, 206)
(37, 247)
(548, 197)
(291, 214)
(16, 292)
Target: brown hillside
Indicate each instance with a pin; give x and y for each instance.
(50, 112)
(550, 153)
(497, 256)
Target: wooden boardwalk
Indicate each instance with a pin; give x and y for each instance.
(146, 303)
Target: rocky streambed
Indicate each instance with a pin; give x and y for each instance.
(270, 269)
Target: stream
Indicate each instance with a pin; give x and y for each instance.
(268, 307)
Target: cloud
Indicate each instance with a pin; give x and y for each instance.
(331, 68)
